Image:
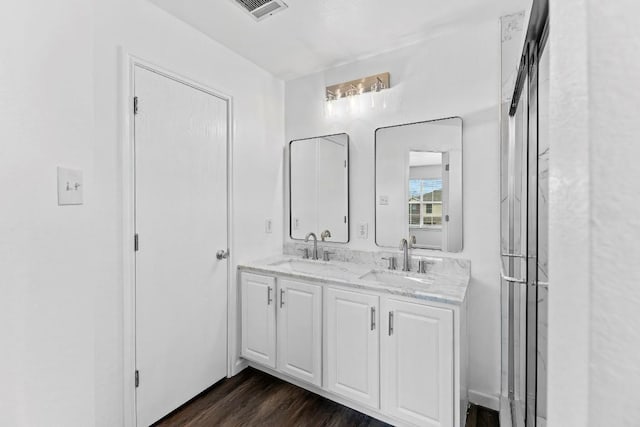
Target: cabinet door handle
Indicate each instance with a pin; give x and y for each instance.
(269, 299)
(373, 318)
(281, 297)
(390, 323)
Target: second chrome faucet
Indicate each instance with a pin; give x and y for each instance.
(404, 247)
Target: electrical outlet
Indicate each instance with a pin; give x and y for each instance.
(268, 225)
(296, 224)
(363, 230)
(384, 200)
(69, 187)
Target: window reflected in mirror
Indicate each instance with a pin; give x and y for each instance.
(419, 184)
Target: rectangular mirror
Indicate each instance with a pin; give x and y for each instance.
(319, 187)
(419, 184)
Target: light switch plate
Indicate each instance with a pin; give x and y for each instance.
(70, 187)
(268, 225)
(363, 230)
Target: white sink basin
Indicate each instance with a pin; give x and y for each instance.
(318, 268)
(396, 278)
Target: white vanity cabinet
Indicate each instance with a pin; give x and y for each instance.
(352, 345)
(398, 358)
(282, 325)
(299, 331)
(258, 318)
(417, 375)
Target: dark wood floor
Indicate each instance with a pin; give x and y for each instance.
(253, 398)
(479, 416)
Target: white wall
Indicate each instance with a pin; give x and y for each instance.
(594, 326)
(146, 31)
(61, 280)
(614, 36)
(47, 253)
(456, 74)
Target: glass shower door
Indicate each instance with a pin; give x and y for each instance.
(525, 249)
(543, 155)
(514, 267)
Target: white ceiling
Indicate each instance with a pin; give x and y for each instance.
(312, 35)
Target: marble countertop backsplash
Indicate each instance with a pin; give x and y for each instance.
(447, 279)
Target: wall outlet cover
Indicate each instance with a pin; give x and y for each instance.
(70, 187)
(363, 231)
(384, 200)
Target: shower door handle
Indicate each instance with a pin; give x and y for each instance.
(510, 255)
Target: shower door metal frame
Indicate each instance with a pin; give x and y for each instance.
(527, 80)
(532, 245)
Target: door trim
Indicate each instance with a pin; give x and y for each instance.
(128, 63)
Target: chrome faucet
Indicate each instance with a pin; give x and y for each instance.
(325, 234)
(404, 247)
(315, 244)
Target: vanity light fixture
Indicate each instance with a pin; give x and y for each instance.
(358, 87)
(343, 97)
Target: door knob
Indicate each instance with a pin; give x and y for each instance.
(222, 254)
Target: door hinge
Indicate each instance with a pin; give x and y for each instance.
(446, 218)
(345, 163)
(446, 167)
(135, 242)
(135, 105)
(137, 379)
(345, 219)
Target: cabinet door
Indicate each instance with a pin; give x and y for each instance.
(417, 363)
(258, 318)
(300, 330)
(353, 361)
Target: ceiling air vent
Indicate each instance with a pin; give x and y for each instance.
(261, 9)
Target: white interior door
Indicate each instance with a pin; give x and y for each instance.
(446, 209)
(181, 221)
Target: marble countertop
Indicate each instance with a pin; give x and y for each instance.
(446, 280)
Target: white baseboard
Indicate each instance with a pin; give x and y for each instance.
(483, 399)
(239, 366)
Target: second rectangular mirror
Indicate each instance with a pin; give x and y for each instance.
(319, 187)
(419, 184)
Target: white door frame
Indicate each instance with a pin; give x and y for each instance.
(129, 62)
